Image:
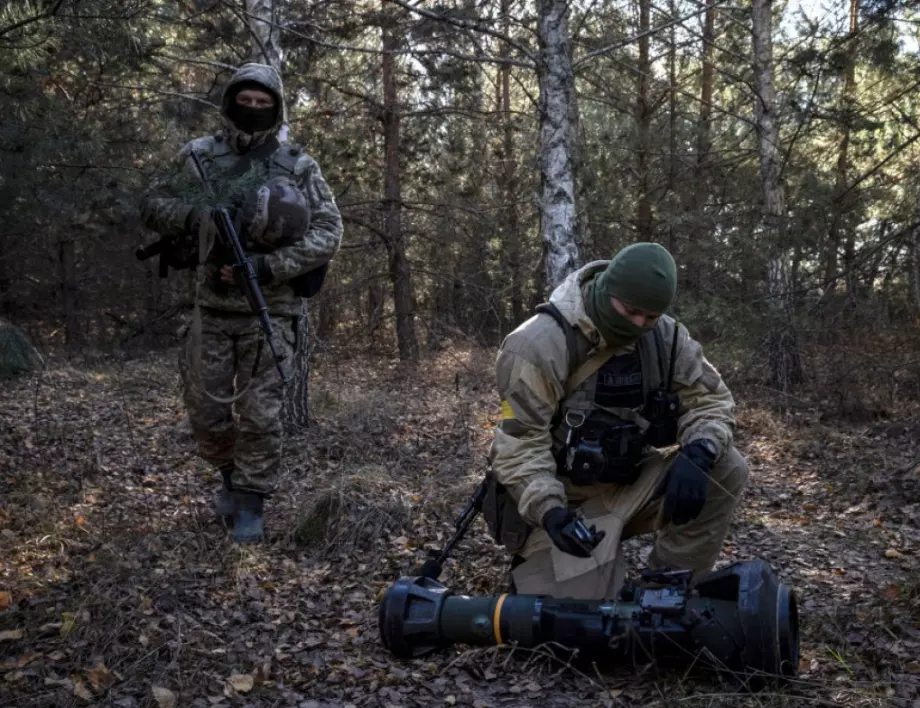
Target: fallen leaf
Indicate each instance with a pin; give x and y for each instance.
(8, 635)
(241, 683)
(68, 621)
(451, 700)
(164, 697)
(892, 553)
(892, 592)
(912, 667)
(100, 677)
(81, 691)
(6, 599)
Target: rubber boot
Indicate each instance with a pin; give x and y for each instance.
(224, 504)
(248, 523)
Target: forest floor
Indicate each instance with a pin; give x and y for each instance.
(117, 588)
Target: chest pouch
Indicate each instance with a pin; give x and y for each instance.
(602, 449)
(662, 410)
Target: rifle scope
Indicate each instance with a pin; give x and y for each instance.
(739, 618)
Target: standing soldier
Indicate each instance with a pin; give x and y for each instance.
(613, 424)
(288, 221)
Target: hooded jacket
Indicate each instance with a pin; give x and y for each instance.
(172, 200)
(531, 370)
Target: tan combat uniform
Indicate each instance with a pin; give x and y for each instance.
(224, 352)
(532, 369)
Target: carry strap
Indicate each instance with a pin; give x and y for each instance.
(585, 370)
(571, 341)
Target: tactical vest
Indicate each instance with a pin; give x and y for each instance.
(278, 159)
(603, 423)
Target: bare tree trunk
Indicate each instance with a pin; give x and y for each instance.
(699, 234)
(644, 226)
(842, 197)
(785, 364)
(672, 130)
(558, 143)
(511, 248)
(6, 283)
(265, 33)
(914, 249)
(265, 39)
(400, 273)
(73, 330)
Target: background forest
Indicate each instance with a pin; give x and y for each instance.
(479, 150)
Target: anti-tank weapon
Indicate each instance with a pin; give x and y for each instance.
(741, 619)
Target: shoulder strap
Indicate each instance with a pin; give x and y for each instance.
(287, 156)
(581, 374)
(571, 341)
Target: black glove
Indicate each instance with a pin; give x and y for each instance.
(570, 534)
(688, 478)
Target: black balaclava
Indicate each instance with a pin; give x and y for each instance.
(252, 120)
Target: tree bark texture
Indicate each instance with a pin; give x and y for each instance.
(843, 197)
(914, 248)
(511, 246)
(400, 273)
(265, 33)
(73, 330)
(643, 117)
(558, 143)
(785, 364)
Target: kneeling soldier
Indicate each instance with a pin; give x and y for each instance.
(613, 424)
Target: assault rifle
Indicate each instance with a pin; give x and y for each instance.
(242, 267)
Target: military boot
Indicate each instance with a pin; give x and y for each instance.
(248, 523)
(224, 504)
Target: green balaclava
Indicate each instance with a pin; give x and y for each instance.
(642, 275)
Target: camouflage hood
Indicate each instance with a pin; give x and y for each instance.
(569, 299)
(267, 77)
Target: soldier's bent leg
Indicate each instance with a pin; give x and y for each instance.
(207, 364)
(548, 571)
(696, 545)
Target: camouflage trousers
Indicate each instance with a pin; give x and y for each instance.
(230, 359)
(627, 511)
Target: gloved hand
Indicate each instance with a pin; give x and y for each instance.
(688, 479)
(569, 533)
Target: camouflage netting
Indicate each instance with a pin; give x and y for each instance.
(17, 355)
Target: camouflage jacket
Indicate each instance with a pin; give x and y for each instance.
(532, 368)
(166, 209)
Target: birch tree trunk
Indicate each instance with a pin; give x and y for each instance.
(264, 33)
(265, 40)
(784, 360)
(400, 273)
(558, 143)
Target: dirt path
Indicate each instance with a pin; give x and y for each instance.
(117, 589)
